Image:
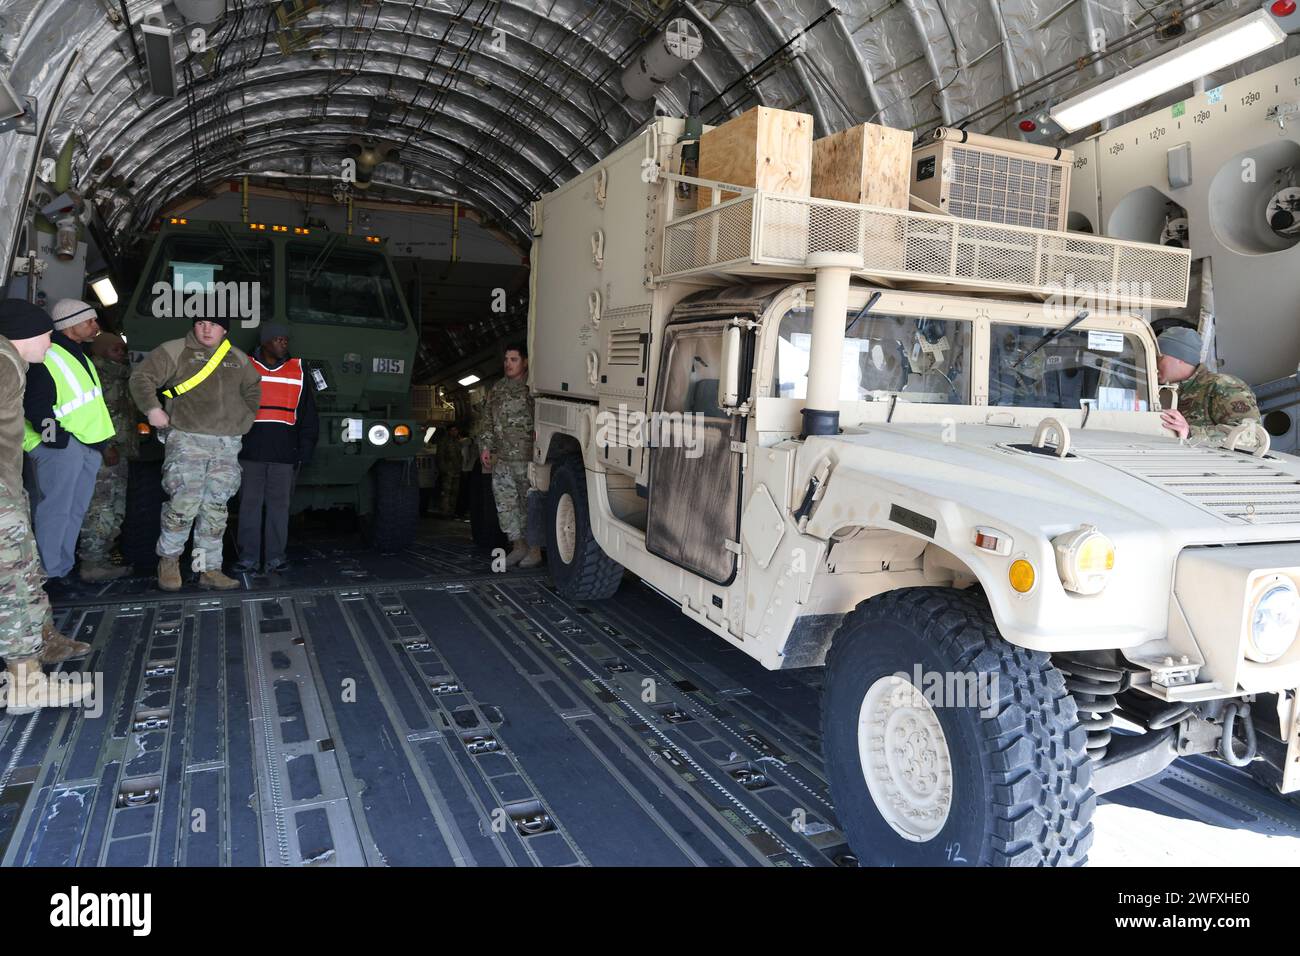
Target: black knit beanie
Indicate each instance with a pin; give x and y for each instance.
(19, 319)
(223, 321)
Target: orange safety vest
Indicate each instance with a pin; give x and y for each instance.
(281, 389)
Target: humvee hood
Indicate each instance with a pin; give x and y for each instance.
(1116, 480)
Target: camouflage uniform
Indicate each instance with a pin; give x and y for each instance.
(1213, 403)
(24, 607)
(448, 457)
(200, 474)
(108, 504)
(507, 432)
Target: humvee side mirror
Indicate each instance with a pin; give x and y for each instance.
(729, 375)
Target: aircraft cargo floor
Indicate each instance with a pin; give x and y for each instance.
(418, 710)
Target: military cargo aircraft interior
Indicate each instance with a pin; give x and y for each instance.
(827, 434)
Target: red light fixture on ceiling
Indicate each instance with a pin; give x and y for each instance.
(1028, 125)
(1282, 8)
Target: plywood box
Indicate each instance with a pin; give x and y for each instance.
(867, 164)
(765, 148)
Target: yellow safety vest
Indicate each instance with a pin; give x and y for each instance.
(78, 401)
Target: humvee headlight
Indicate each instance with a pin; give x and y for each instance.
(1084, 559)
(378, 434)
(1274, 621)
(401, 434)
(1021, 575)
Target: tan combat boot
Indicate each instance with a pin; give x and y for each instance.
(27, 689)
(533, 559)
(59, 648)
(94, 572)
(169, 573)
(517, 552)
(215, 580)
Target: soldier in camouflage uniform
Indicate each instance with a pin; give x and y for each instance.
(213, 402)
(448, 458)
(108, 504)
(505, 437)
(27, 635)
(1209, 403)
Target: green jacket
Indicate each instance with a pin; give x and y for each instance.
(225, 403)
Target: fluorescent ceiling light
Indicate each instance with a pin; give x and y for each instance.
(1219, 48)
(104, 291)
(467, 380)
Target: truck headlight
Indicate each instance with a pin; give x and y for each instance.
(402, 434)
(378, 434)
(1274, 621)
(1084, 559)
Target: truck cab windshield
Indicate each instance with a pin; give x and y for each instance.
(913, 358)
(214, 263)
(334, 285)
(1103, 369)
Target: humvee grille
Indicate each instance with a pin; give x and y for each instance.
(1235, 487)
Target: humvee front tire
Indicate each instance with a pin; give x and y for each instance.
(396, 517)
(579, 567)
(922, 778)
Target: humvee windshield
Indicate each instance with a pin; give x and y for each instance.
(205, 260)
(340, 286)
(915, 358)
(1104, 369)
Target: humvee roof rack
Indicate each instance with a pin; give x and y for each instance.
(760, 233)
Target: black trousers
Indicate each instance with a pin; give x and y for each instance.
(267, 486)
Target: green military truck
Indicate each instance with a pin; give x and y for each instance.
(348, 322)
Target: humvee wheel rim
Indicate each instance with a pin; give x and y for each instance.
(566, 529)
(905, 758)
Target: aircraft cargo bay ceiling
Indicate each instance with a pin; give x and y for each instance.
(485, 104)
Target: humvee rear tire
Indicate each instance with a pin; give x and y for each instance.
(142, 522)
(579, 567)
(1003, 780)
(396, 517)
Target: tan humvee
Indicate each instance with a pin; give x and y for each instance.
(961, 502)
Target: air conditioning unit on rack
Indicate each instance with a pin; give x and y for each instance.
(993, 180)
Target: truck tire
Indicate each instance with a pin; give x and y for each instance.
(142, 523)
(579, 567)
(1003, 780)
(396, 517)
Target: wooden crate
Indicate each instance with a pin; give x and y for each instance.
(867, 164)
(765, 148)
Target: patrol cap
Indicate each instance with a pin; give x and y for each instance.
(70, 312)
(19, 319)
(1181, 343)
(273, 330)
